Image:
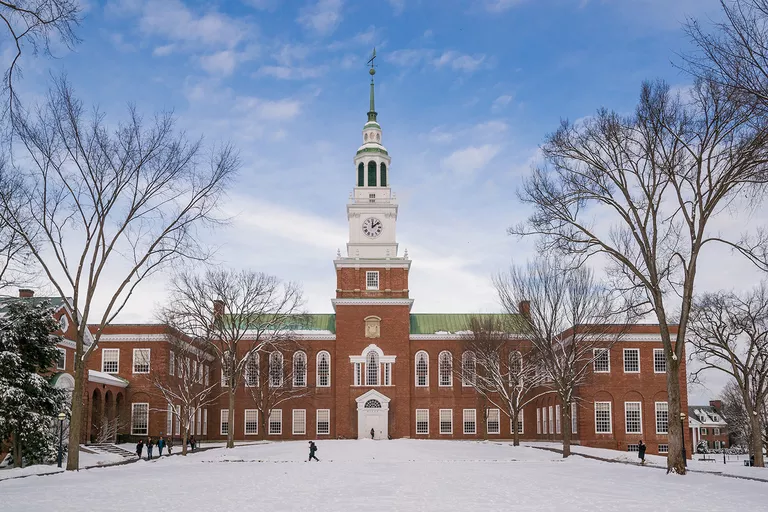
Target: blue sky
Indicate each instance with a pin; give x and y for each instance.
(466, 91)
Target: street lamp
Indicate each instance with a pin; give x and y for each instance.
(682, 434)
(62, 416)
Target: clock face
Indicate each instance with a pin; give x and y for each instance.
(372, 227)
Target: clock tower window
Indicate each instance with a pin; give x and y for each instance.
(361, 175)
(383, 174)
(371, 173)
(372, 280)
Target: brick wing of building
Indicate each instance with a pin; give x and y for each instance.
(374, 367)
(708, 426)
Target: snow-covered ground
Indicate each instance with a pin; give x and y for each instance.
(380, 475)
(86, 460)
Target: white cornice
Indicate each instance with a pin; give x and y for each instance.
(396, 262)
(133, 337)
(372, 302)
(67, 343)
(452, 336)
(104, 378)
(293, 335)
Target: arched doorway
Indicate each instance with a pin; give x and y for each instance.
(373, 413)
(108, 421)
(97, 411)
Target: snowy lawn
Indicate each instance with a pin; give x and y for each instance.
(379, 475)
(86, 460)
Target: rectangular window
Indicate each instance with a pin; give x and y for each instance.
(169, 420)
(538, 421)
(633, 417)
(659, 361)
(422, 421)
(199, 422)
(323, 422)
(205, 422)
(716, 431)
(177, 418)
(703, 431)
(602, 360)
(574, 418)
(207, 375)
(633, 447)
(662, 418)
(139, 419)
(141, 360)
(387, 374)
(358, 374)
(299, 422)
(171, 363)
(372, 280)
(663, 448)
(251, 422)
(224, 422)
(446, 421)
(520, 424)
(551, 421)
(631, 360)
(470, 424)
(557, 419)
(110, 360)
(603, 417)
(493, 423)
(61, 362)
(275, 422)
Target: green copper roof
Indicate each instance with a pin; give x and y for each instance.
(372, 150)
(55, 302)
(430, 323)
(326, 322)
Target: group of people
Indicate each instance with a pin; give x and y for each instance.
(160, 443)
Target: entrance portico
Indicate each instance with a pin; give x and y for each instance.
(372, 413)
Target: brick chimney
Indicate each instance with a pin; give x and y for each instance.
(717, 404)
(218, 309)
(524, 308)
(26, 293)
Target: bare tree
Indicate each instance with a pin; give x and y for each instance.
(730, 335)
(14, 256)
(238, 313)
(123, 204)
(569, 319)
(739, 421)
(108, 430)
(656, 180)
(187, 388)
(284, 379)
(504, 372)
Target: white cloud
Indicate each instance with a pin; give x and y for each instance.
(292, 73)
(274, 110)
(502, 102)
(500, 5)
(398, 6)
(220, 63)
(469, 160)
(408, 57)
(162, 51)
(322, 17)
(459, 62)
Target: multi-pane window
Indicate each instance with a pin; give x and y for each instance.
(139, 419)
(205, 422)
(299, 422)
(663, 448)
(445, 369)
(177, 417)
(659, 361)
(631, 360)
(226, 369)
(703, 431)
(110, 360)
(169, 420)
(275, 369)
(515, 368)
(387, 374)
(199, 422)
(358, 374)
(171, 363)
(493, 422)
(557, 419)
(662, 418)
(323, 370)
(633, 417)
(422, 369)
(520, 423)
(470, 423)
(372, 280)
(141, 360)
(275, 422)
(716, 431)
(446, 421)
(551, 420)
(602, 417)
(323, 421)
(251, 422)
(252, 370)
(574, 418)
(224, 422)
(538, 420)
(633, 447)
(299, 369)
(422, 421)
(468, 373)
(372, 369)
(61, 361)
(602, 360)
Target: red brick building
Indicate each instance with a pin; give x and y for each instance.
(708, 427)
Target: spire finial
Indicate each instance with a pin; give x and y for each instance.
(372, 71)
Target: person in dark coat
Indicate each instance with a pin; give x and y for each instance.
(150, 444)
(641, 452)
(192, 443)
(139, 448)
(160, 446)
(373, 432)
(170, 445)
(312, 450)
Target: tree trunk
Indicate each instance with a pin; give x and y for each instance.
(231, 418)
(76, 419)
(17, 452)
(675, 437)
(184, 440)
(516, 431)
(566, 422)
(757, 438)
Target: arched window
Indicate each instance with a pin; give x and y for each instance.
(468, 373)
(371, 173)
(515, 368)
(252, 370)
(383, 175)
(445, 368)
(372, 369)
(299, 369)
(373, 404)
(361, 174)
(323, 370)
(422, 369)
(275, 370)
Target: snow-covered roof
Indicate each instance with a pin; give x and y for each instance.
(105, 378)
(705, 415)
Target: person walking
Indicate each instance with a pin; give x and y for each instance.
(312, 451)
(150, 444)
(192, 443)
(160, 446)
(139, 448)
(641, 452)
(170, 445)
(373, 432)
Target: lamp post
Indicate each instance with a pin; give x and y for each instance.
(62, 416)
(682, 434)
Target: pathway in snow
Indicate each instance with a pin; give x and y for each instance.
(382, 475)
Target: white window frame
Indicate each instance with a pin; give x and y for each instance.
(169, 420)
(489, 419)
(296, 382)
(663, 448)
(558, 427)
(538, 421)
(63, 323)
(199, 422)
(610, 418)
(251, 416)
(664, 409)
(369, 369)
(596, 356)
(327, 414)
(440, 382)
(106, 351)
(63, 353)
(422, 422)
(636, 351)
(387, 374)
(467, 379)
(551, 428)
(205, 422)
(252, 369)
(520, 423)
(639, 419)
(318, 380)
(300, 417)
(224, 420)
(421, 355)
(358, 369)
(275, 416)
(449, 413)
(277, 356)
(574, 417)
(372, 280)
(177, 418)
(145, 406)
(207, 375)
(171, 363)
(149, 358)
(659, 351)
(469, 416)
(716, 431)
